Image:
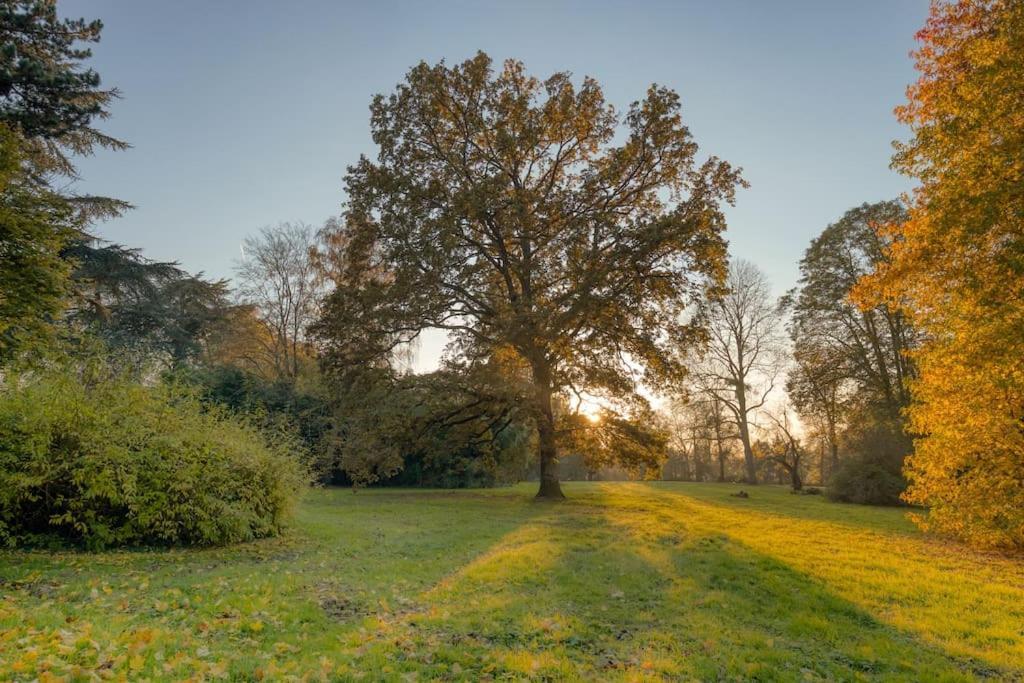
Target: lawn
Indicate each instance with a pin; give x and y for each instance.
(624, 581)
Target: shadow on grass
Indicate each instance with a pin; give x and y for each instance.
(603, 588)
(292, 600)
(768, 620)
(620, 582)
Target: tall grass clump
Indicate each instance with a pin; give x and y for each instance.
(95, 458)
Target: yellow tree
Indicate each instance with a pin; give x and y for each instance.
(957, 267)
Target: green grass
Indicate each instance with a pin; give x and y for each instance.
(621, 582)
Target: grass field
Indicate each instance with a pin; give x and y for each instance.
(623, 581)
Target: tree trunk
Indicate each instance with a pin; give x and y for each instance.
(550, 489)
(741, 421)
(718, 445)
(794, 476)
(835, 457)
(748, 452)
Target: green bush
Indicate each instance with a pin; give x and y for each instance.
(298, 407)
(866, 480)
(99, 460)
(872, 471)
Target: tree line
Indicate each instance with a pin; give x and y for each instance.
(576, 257)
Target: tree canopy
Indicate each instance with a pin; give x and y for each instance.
(502, 209)
(135, 303)
(46, 95)
(957, 269)
(35, 224)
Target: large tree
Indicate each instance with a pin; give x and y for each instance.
(522, 217)
(739, 366)
(957, 269)
(49, 102)
(851, 371)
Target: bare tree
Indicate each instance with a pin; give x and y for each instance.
(784, 448)
(818, 388)
(700, 430)
(277, 276)
(719, 430)
(682, 461)
(742, 360)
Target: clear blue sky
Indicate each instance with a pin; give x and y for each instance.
(244, 114)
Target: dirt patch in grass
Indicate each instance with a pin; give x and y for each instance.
(337, 604)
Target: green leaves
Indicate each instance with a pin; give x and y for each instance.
(106, 461)
(501, 209)
(35, 225)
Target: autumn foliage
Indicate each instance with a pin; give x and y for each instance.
(957, 268)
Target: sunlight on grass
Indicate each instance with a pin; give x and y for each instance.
(967, 603)
(622, 582)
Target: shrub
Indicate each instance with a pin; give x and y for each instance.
(297, 407)
(866, 480)
(96, 459)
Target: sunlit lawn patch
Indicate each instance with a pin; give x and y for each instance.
(623, 581)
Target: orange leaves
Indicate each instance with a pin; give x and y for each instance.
(956, 269)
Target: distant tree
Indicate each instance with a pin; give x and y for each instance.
(719, 429)
(243, 341)
(740, 365)
(700, 427)
(149, 306)
(278, 276)
(784, 448)
(834, 338)
(683, 462)
(818, 387)
(502, 210)
(957, 269)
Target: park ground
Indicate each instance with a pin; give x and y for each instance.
(623, 581)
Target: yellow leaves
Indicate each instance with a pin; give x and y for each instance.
(142, 637)
(326, 665)
(26, 661)
(218, 669)
(953, 269)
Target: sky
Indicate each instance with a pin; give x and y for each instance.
(246, 114)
